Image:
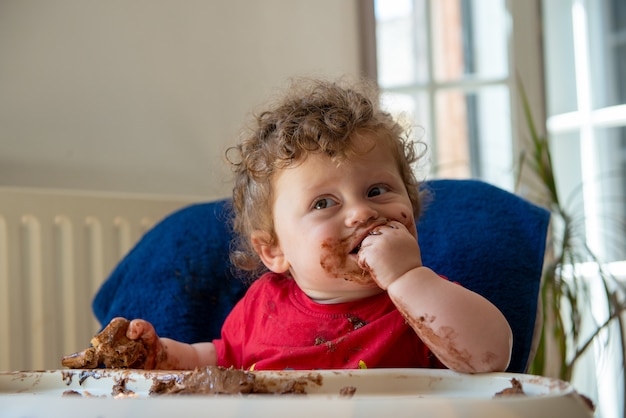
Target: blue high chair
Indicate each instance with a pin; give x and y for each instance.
(178, 276)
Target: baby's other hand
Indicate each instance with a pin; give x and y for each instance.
(388, 252)
(140, 329)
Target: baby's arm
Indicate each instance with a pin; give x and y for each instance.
(464, 330)
(168, 354)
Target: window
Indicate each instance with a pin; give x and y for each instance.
(452, 66)
(585, 44)
(585, 50)
(447, 63)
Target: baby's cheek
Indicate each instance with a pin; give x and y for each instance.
(408, 221)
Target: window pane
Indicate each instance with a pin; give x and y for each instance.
(594, 192)
(413, 112)
(565, 149)
(607, 32)
(617, 15)
(610, 181)
(566, 160)
(619, 71)
(494, 137)
(451, 113)
(474, 135)
(401, 42)
(559, 51)
(470, 39)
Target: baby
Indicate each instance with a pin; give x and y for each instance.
(325, 205)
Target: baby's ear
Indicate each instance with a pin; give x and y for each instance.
(270, 253)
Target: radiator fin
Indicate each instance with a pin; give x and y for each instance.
(5, 294)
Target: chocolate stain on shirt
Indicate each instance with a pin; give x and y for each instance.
(356, 322)
(320, 341)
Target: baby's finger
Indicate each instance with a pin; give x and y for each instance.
(138, 328)
(395, 225)
(362, 262)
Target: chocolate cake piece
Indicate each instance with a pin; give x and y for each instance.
(110, 349)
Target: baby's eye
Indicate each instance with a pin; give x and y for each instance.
(377, 190)
(323, 203)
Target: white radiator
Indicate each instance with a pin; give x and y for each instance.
(56, 248)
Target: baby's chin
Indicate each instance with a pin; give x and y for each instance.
(340, 287)
(345, 296)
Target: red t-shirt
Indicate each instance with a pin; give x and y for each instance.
(276, 326)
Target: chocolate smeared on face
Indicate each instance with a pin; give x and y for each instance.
(335, 260)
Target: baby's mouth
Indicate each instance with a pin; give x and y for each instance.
(356, 249)
(366, 231)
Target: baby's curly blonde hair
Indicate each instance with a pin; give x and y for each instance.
(314, 116)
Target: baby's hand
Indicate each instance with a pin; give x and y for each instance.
(143, 330)
(388, 252)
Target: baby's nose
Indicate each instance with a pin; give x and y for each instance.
(361, 213)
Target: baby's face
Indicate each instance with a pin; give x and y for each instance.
(322, 212)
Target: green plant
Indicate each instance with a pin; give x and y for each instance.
(566, 290)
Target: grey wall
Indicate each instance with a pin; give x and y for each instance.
(145, 95)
